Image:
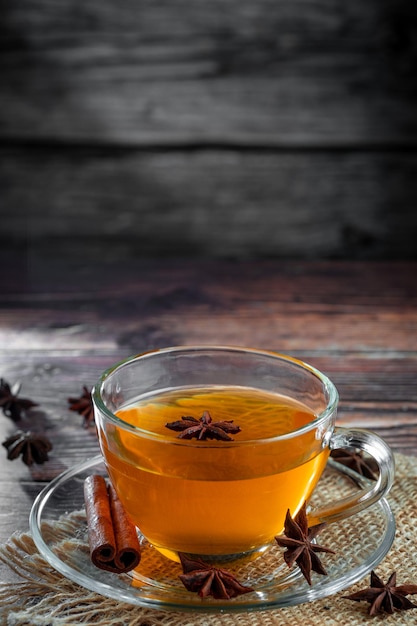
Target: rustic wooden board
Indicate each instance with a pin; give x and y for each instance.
(237, 72)
(228, 128)
(227, 203)
(130, 287)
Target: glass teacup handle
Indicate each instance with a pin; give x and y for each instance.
(374, 490)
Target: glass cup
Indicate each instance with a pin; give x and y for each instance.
(257, 433)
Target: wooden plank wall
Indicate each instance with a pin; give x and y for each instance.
(282, 128)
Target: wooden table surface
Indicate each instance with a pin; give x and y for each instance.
(63, 323)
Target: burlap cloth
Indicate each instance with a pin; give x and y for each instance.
(46, 598)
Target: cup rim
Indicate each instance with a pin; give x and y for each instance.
(330, 387)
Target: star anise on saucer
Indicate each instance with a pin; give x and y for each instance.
(387, 597)
(299, 543)
(355, 460)
(10, 403)
(207, 580)
(32, 447)
(84, 406)
(203, 428)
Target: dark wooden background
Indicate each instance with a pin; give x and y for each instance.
(280, 128)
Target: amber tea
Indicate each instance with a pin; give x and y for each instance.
(213, 496)
(195, 481)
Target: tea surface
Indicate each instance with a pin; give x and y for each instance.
(260, 414)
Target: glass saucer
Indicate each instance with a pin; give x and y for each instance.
(59, 530)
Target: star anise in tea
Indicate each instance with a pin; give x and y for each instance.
(207, 580)
(32, 447)
(84, 406)
(299, 543)
(10, 403)
(203, 428)
(355, 460)
(387, 597)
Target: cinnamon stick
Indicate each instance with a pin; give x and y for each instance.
(127, 544)
(100, 526)
(114, 545)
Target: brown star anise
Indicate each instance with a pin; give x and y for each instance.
(385, 597)
(84, 406)
(204, 428)
(207, 580)
(34, 448)
(298, 541)
(357, 462)
(11, 405)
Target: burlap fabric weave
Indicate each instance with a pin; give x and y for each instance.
(46, 598)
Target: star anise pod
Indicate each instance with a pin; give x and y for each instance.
(355, 460)
(34, 448)
(11, 405)
(84, 406)
(203, 428)
(385, 597)
(299, 543)
(207, 580)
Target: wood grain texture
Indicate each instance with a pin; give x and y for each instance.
(205, 203)
(287, 73)
(228, 128)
